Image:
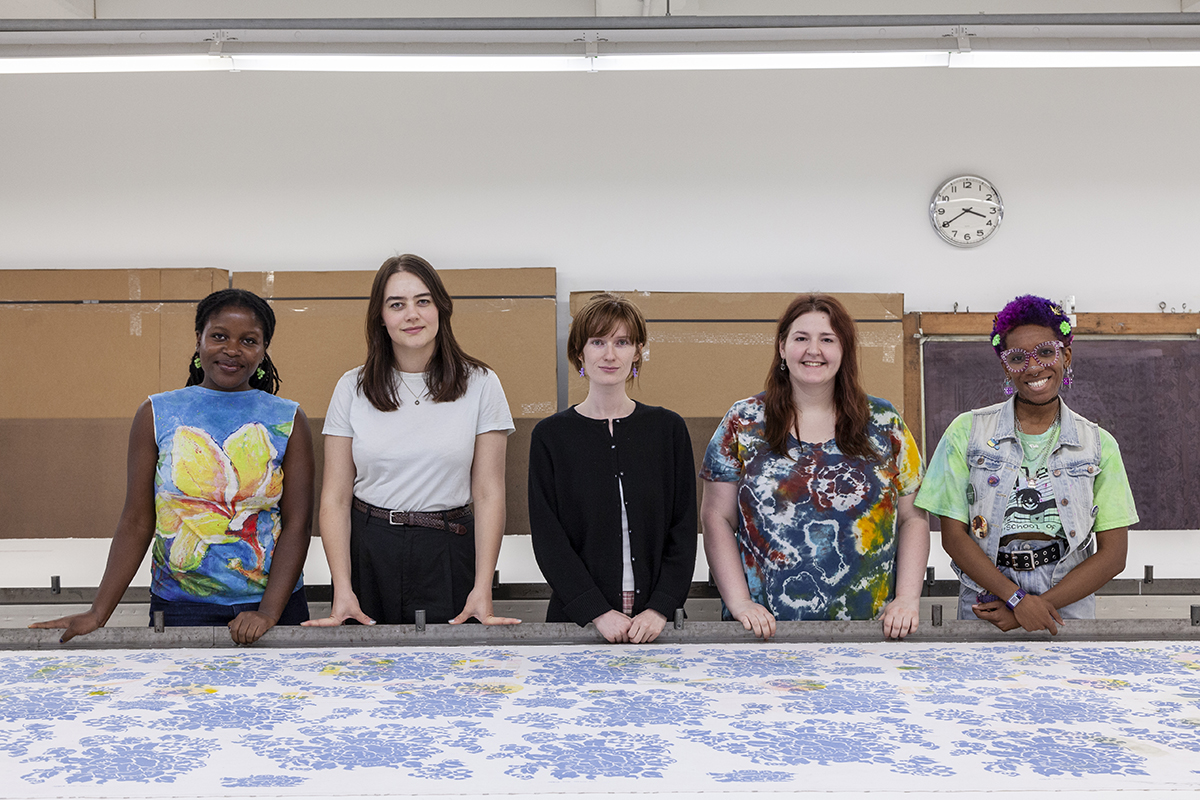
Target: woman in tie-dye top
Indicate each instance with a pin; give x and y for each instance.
(206, 486)
(808, 503)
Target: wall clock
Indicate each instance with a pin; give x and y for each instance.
(966, 211)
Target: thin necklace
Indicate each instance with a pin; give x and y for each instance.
(416, 397)
(1043, 457)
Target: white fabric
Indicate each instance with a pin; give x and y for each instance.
(418, 457)
(627, 584)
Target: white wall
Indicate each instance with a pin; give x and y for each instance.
(679, 181)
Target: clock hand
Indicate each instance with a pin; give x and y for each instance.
(946, 224)
(976, 213)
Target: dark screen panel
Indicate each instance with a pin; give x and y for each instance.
(1145, 393)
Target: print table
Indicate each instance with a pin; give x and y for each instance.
(711, 719)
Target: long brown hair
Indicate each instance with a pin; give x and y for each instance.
(849, 399)
(449, 367)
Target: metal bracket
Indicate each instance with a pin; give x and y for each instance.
(160, 622)
(55, 585)
(679, 619)
(1148, 574)
(936, 615)
(960, 33)
(419, 618)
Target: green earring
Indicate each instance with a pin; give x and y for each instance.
(262, 373)
(196, 362)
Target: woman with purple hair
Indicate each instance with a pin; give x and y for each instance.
(1033, 498)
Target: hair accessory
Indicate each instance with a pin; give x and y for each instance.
(1065, 327)
(261, 373)
(196, 362)
(635, 370)
(582, 374)
(1069, 378)
(1009, 389)
(995, 340)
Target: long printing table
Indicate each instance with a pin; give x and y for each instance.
(549, 710)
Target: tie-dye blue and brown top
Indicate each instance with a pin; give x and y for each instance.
(216, 492)
(816, 530)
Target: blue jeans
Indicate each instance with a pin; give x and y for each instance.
(183, 613)
(1034, 581)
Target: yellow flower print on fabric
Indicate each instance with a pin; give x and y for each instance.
(219, 492)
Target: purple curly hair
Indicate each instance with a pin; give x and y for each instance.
(1029, 309)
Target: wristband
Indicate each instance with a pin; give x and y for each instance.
(1016, 598)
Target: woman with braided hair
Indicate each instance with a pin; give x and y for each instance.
(206, 487)
(1033, 498)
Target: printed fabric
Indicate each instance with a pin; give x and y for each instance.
(816, 530)
(217, 489)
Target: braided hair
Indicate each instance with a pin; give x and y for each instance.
(239, 298)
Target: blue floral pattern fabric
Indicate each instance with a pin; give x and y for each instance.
(906, 717)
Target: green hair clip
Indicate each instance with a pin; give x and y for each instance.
(996, 340)
(1065, 327)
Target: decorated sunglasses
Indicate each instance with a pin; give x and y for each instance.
(1047, 354)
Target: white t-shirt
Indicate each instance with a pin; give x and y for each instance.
(418, 457)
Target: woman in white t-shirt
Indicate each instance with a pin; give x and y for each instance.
(412, 500)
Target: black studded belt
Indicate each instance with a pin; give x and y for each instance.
(1025, 560)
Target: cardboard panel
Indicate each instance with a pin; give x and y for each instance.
(765, 306)
(78, 285)
(78, 361)
(533, 282)
(62, 478)
(699, 368)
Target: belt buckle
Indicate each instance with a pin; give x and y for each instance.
(403, 517)
(1026, 558)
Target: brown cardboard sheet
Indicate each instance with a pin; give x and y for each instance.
(78, 285)
(531, 282)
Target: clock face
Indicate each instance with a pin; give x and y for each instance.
(966, 211)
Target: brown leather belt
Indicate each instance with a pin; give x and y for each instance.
(438, 520)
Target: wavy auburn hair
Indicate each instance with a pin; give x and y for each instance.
(849, 399)
(449, 368)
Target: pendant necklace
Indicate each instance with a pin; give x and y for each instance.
(416, 397)
(1043, 457)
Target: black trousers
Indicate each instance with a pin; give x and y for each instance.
(397, 570)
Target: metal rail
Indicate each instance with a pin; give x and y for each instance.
(567, 634)
(323, 593)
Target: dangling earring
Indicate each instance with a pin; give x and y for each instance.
(582, 374)
(261, 373)
(1009, 389)
(783, 366)
(635, 370)
(1069, 378)
(196, 362)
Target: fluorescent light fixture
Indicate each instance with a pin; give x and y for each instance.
(1079, 59)
(408, 63)
(147, 63)
(609, 62)
(619, 62)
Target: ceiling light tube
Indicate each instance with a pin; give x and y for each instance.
(619, 62)
(1078, 59)
(139, 63)
(296, 62)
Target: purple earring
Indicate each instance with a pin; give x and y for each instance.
(635, 370)
(582, 374)
(1069, 378)
(1009, 389)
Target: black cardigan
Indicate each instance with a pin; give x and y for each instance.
(575, 511)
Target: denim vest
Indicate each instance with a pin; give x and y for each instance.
(994, 456)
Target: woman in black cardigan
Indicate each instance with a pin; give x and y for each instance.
(612, 489)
